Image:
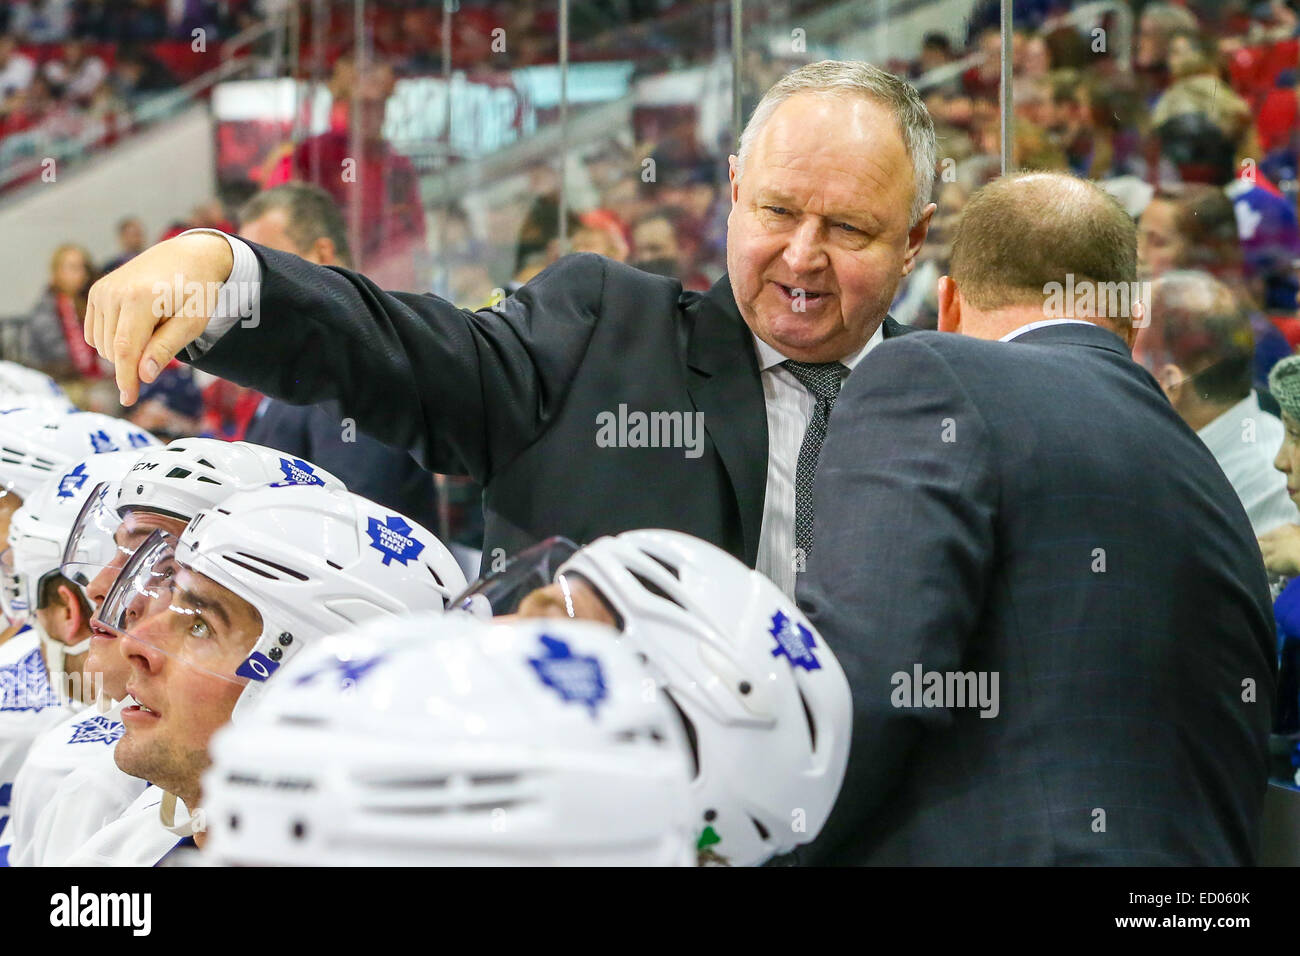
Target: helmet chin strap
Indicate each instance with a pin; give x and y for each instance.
(194, 822)
(56, 652)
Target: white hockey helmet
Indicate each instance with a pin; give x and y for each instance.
(178, 480)
(309, 560)
(23, 387)
(767, 706)
(37, 444)
(444, 740)
(37, 535)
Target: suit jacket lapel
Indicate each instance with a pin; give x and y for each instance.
(725, 386)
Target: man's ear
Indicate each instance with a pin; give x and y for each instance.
(322, 252)
(1171, 378)
(949, 305)
(733, 176)
(916, 238)
(73, 617)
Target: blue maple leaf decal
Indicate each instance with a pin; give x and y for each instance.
(347, 673)
(794, 642)
(139, 440)
(73, 481)
(574, 677)
(299, 472)
(391, 538)
(96, 730)
(100, 442)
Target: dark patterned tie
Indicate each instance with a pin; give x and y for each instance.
(823, 380)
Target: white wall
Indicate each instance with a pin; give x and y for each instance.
(159, 176)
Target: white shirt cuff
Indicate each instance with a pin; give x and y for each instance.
(239, 298)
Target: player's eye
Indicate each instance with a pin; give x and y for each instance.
(199, 628)
(777, 210)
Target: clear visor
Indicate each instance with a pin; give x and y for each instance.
(502, 591)
(174, 610)
(94, 544)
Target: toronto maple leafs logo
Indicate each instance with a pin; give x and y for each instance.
(24, 686)
(347, 672)
(139, 440)
(100, 442)
(73, 481)
(96, 730)
(391, 538)
(298, 472)
(793, 641)
(573, 676)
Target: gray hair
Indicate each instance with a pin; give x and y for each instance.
(854, 78)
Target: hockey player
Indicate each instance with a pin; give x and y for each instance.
(766, 706)
(35, 446)
(207, 619)
(447, 741)
(83, 790)
(60, 616)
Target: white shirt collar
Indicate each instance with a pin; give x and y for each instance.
(769, 357)
(1041, 324)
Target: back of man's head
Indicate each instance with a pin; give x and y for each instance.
(1199, 342)
(1036, 246)
(310, 215)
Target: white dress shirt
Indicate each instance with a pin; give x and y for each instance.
(1244, 441)
(789, 410)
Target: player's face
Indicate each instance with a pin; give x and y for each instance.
(105, 665)
(177, 656)
(9, 504)
(553, 601)
(818, 236)
(1288, 456)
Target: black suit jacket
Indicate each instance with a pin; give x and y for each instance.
(368, 467)
(512, 396)
(1037, 509)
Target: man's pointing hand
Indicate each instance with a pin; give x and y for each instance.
(141, 314)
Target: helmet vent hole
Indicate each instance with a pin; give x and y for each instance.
(656, 589)
(234, 822)
(691, 738)
(333, 564)
(179, 473)
(812, 724)
(667, 567)
(207, 481)
(204, 462)
(271, 564)
(762, 830)
(299, 830)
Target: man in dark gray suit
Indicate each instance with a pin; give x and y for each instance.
(1046, 595)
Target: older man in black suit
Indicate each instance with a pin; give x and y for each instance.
(600, 398)
(1044, 591)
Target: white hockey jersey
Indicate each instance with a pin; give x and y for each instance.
(55, 754)
(28, 706)
(136, 838)
(86, 801)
